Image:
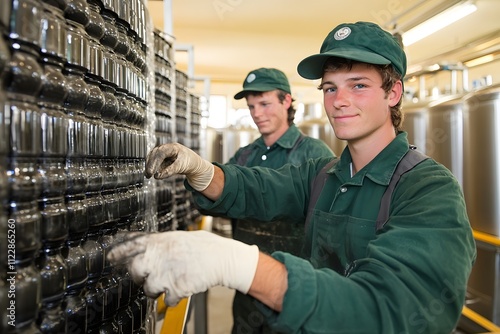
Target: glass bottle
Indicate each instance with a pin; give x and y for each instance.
(51, 319)
(28, 293)
(110, 286)
(53, 273)
(110, 37)
(96, 26)
(122, 47)
(93, 293)
(27, 220)
(23, 82)
(54, 227)
(74, 104)
(75, 260)
(25, 22)
(111, 106)
(60, 4)
(78, 11)
(75, 309)
(94, 296)
(75, 257)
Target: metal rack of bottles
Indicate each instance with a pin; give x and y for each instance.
(178, 118)
(87, 88)
(165, 125)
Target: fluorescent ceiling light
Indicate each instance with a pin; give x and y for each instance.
(481, 60)
(438, 22)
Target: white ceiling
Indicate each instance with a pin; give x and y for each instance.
(232, 37)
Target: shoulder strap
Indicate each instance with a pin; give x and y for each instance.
(297, 142)
(317, 187)
(409, 160)
(243, 157)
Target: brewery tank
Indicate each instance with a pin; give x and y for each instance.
(316, 125)
(320, 128)
(415, 123)
(444, 138)
(238, 136)
(481, 178)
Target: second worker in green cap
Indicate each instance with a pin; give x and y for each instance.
(269, 100)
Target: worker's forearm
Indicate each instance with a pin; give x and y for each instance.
(270, 282)
(214, 189)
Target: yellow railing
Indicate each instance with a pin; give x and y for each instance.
(480, 320)
(487, 238)
(175, 317)
(467, 312)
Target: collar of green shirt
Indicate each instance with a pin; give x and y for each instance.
(380, 169)
(286, 141)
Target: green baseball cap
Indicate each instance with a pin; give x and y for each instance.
(361, 41)
(264, 80)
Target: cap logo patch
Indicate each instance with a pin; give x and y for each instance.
(251, 77)
(342, 33)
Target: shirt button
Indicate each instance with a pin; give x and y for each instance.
(264, 157)
(343, 189)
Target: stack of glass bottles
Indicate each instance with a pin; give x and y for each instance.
(164, 125)
(74, 106)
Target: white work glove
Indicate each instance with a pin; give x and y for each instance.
(182, 263)
(169, 159)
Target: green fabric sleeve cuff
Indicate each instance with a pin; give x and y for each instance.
(300, 297)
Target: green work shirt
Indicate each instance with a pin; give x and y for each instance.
(283, 151)
(409, 277)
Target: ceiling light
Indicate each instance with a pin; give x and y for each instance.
(481, 60)
(438, 22)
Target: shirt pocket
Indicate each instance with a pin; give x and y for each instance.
(338, 240)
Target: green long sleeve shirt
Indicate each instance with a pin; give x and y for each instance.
(409, 277)
(284, 150)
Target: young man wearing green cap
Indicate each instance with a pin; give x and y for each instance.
(268, 96)
(406, 275)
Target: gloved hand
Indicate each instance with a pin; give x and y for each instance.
(184, 263)
(169, 159)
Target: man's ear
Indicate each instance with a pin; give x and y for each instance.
(395, 93)
(287, 102)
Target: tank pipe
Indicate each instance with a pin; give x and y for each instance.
(454, 81)
(167, 17)
(190, 51)
(206, 85)
(421, 85)
(393, 21)
(465, 79)
(206, 80)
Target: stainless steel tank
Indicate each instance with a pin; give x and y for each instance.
(237, 136)
(320, 128)
(444, 138)
(214, 144)
(481, 184)
(316, 125)
(481, 178)
(415, 123)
